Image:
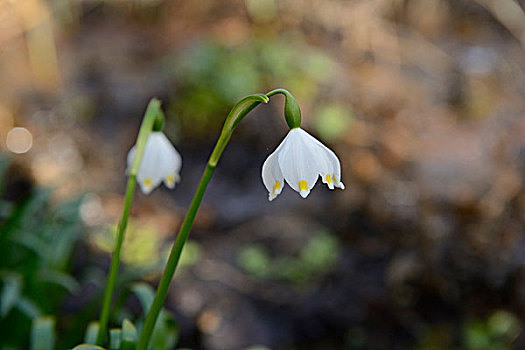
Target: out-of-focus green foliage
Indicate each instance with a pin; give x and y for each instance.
(42, 333)
(128, 335)
(115, 338)
(37, 239)
(165, 335)
(316, 258)
(143, 246)
(211, 76)
(255, 260)
(190, 255)
(87, 347)
(332, 121)
(495, 333)
(91, 333)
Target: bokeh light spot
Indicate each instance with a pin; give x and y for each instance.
(19, 140)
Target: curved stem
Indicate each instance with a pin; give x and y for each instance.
(152, 119)
(292, 112)
(234, 117)
(238, 112)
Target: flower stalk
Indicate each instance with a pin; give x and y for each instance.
(234, 117)
(153, 121)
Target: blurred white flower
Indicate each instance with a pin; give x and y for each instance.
(299, 160)
(160, 162)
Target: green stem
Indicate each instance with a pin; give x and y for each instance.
(292, 112)
(112, 276)
(153, 118)
(237, 113)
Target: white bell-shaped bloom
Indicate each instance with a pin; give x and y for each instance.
(160, 162)
(300, 159)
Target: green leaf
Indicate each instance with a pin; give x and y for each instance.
(28, 308)
(128, 336)
(145, 294)
(60, 248)
(115, 338)
(91, 332)
(87, 347)
(60, 279)
(43, 333)
(11, 293)
(32, 243)
(18, 215)
(26, 212)
(166, 332)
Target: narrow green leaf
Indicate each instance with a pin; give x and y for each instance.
(24, 211)
(11, 292)
(115, 338)
(32, 243)
(87, 347)
(28, 308)
(166, 332)
(59, 278)
(145, 294)
(91, 333)
(43, 333)
(128, 336)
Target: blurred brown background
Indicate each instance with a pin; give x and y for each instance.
(423, 101)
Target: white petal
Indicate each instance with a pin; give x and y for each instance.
(297, 160)
(170, 167)
(160, 162)
(148, 175)
(272, 176)
(171, 162)
(171, 180)
(173, 158)
(330, 166)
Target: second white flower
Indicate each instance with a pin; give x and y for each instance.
(299, 160)
(160, 162)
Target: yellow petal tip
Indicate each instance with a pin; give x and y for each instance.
(303, 188)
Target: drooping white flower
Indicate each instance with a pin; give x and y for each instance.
(300, 159)
(160, 162)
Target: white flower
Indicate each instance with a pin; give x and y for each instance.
(160, 162)
(300, 159)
